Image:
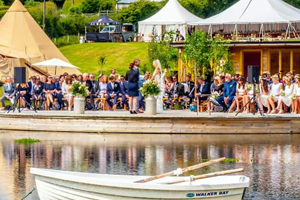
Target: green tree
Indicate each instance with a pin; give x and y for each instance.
(101, 61)
(160, 49)
(1, 3)
(138, 11)
(208, 55)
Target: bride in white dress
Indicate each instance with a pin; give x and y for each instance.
(160, 78)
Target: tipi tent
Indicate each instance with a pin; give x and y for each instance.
(252, 14)
(171, 17)
(22, 37)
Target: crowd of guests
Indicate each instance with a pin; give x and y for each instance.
(275, 94)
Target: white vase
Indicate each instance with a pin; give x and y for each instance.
(79, 104)
(151, 105)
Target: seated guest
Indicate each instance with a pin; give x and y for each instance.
(296, 95)
(124, 91)
(276, 87)
(113, 91)
(67, 92)
(240, 95)
(58, 94)
(264, 93)
(169, 88)
(80, 78)
(285, 100)
(74, 77)
(49, 90)
(38, 94)
(29, 93)
(236, 77)
(94, 91)
(216, 90)
(23, 91)
(229, 93)
(176, 83)
(88, 84)
(9, 91)
(43, 81)
(203, 89)
(191, 86)
(103, 80)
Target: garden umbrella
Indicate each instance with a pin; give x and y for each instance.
(55, 62)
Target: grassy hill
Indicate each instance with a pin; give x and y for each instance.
(118, 55)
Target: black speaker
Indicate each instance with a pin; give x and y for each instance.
(253, 74)
(20, 74)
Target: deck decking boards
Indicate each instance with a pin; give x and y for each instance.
(169, 122)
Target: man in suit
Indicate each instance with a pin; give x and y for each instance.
(113, 91)
(9, 91)
(228, 94)
(31, 84)
(203, 88)
(94, 89)
(124, 88)
(191, 86)
(86, 80)
(176, 83)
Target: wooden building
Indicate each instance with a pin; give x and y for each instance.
(269, 56)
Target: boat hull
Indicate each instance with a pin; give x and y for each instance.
(50, 188)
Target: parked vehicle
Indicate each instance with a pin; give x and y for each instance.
(113, 33)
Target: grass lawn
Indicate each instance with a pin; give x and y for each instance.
(118, 55)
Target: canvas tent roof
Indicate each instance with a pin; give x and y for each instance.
(22, 37)
(255, 12)
(172, 13)
(103, 20)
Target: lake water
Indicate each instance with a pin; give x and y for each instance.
(271, 161)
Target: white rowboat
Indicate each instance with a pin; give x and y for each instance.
(66, 185)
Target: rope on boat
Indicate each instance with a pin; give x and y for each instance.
(28, 193)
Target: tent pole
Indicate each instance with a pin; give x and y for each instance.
(286, 33)
(55, 70)
(295, 32)
(85, 33)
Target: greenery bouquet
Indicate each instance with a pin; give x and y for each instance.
(79, 88)
(294, 97)
(282, 93)
(215, 95)
(150, 88)
(248, 87)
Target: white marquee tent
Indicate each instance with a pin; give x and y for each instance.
(171, 17)
(272, 15)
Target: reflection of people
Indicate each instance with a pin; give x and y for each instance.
(159, 77)
(132, 76)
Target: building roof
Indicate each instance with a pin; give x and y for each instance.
(255, 12)
(22, 37)
(172, 13)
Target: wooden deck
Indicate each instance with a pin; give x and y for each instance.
(170, 122)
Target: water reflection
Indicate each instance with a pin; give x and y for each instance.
(271, 161)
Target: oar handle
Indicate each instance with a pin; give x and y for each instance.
(208, 175)
(194, 167)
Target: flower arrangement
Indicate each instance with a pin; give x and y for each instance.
(294, 97)
(272, 96)
(248, 87)
(215, 95)
(257, 91)
(150, 88)
(282, 93)
(79, 88)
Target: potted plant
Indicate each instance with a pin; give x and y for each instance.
(80, 91)
(150, 90)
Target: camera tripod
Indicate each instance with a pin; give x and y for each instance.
(17, 103)
(252, 100)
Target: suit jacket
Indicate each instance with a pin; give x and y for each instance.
(116, 90)
(30, 87)
(229, 89)
(124, 87)
(205, 88)
(88, 84)
(94, 87)
(7, 92)
(57, 86)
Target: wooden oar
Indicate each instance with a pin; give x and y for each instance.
(208, 175)
(198, 166)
